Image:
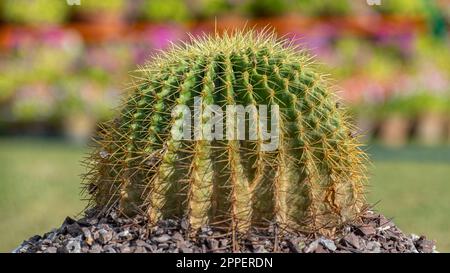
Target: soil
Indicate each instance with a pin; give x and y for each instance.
(115, 234)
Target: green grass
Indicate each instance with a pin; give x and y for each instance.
(40, 185)
(413, 187)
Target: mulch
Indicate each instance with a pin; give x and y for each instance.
(115, 234)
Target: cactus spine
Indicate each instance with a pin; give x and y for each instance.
(313, 181)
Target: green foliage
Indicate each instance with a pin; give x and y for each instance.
(414, 104)
(36, 11)
(166, 10)
(102, 6)
(402, 7)
(324, 8)
(435, 51)
(212, 8)
(313, 181)
(80, 96)
(8, 82)
(263, 8)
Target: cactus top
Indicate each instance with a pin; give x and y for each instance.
(313, 180)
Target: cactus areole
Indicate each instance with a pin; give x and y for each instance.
(311, 180)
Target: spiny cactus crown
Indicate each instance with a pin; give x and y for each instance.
(313, 180)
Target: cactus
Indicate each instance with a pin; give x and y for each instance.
(313, 181)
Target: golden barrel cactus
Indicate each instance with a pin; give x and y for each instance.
(313, 179)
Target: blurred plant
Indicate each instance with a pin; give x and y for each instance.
(266, 8)
(166, 10)
(402, 7)
(83, 95)
(111, 12)
(160, 37)
(436, 18)
(102, 6)
(324, 8)
(412, 105)
(9, 81)
(383, 64)
(45, 56)
(39, 61)
(34, 12)
(212, 8)
(155, 38)
(350, 50)
(36, 102)
(433, 50)
(105, 65)
(427, 102)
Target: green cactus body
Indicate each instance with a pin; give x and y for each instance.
(314, 180)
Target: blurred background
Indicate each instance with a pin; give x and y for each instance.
(63, 68)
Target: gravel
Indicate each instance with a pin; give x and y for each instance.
(115, 234)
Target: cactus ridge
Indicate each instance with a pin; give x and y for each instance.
(313, 181)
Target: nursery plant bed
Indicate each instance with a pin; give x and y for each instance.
(361, 25)
(116, 234)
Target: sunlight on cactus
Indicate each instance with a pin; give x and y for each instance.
(314, 181)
